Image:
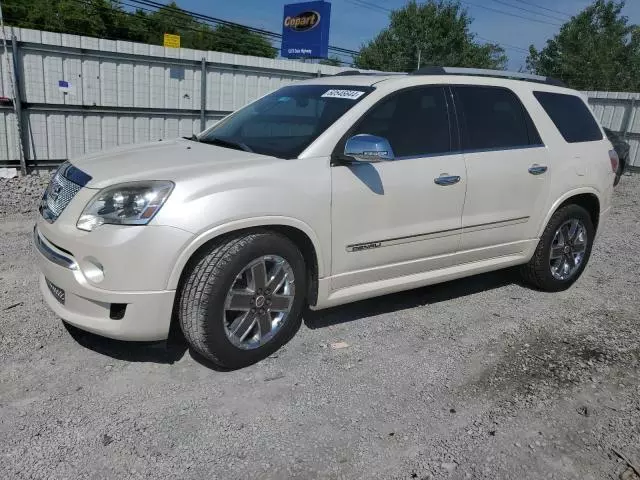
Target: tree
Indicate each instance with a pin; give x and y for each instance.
(108, 19)
(241, 40)
(437, 31)
(333, 60)
(596, 50)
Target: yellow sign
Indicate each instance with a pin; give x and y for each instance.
(171, 41)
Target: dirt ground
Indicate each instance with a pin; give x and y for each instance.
(478, 378)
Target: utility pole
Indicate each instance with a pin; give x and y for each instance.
(12, 74)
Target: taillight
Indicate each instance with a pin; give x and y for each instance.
(615, 161)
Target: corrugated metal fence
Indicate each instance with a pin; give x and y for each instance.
(620, 111)
(82, 94)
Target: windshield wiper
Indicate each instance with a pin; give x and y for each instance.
(193, 137)
(226, 143)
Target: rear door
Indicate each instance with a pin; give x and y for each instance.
(507, 168)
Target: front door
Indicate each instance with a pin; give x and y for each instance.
(508, 173)
(400, 217)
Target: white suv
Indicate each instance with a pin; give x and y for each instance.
(324, 192)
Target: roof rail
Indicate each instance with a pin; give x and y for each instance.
(482, 72)
(348, 72)
(358, 72)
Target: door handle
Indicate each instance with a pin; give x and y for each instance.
(445, 180)
(536, 169)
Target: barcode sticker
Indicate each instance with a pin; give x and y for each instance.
(348, 94)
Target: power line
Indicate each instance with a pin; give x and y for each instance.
(510, 14)
(528, 10)
(365, 4)
(544, 8)
(380, 8)
(505, 45)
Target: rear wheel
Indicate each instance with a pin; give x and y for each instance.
(563, 251)
(243, 298)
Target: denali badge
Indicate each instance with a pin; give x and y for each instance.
(363, 246)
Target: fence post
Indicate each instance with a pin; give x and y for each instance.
(203, 94)
(23, 136)
(629, 117)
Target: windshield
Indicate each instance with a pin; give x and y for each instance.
(285, 122)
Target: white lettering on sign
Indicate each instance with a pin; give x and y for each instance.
(303, 51)
(348, 94)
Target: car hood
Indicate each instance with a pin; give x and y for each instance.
(174, 160)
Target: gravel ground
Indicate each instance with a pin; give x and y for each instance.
(479, 378)
(22, 194)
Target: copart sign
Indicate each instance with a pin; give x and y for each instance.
(305, 30)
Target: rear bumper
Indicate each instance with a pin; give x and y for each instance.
(147, 314)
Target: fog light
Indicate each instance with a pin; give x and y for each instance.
(117, 311)
(92, 269)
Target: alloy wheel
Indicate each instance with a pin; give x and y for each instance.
(259, 302)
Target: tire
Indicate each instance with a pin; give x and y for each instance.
(538, 271)
(619, 172)
(203, 312)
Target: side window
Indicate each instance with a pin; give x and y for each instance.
(415, 121)
(571, 116)
(494, 118)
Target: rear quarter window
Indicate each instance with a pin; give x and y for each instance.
(571, 116)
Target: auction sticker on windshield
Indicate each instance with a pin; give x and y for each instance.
(348, 94)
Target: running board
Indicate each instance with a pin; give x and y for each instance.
(398, 284)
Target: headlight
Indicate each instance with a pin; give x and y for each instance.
(133, 203)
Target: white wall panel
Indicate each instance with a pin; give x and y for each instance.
(141, 85)
(141, 129)
(92, 134)
(108, 84)
(72, 73)
(125, 130)
(52, 75)
(56, 136)
(125, 84)
(33, 77)
(75, 135)
(90, 82)
(37, 130)
(9, 146)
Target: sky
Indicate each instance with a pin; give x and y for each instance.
(354, 22)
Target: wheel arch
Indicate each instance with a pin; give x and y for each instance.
(587, 198)
(297, 231)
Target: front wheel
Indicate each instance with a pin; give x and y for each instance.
(563, 250)
(243, 298)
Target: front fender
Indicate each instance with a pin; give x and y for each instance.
(228, 227)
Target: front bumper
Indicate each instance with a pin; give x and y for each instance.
(123, 315)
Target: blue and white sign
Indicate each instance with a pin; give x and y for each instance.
(305, 30)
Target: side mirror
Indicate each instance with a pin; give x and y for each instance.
(368, 148)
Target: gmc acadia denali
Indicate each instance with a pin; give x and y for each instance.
(324, 192)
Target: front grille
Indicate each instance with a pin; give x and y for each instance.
(59, 193)
(57, 292)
